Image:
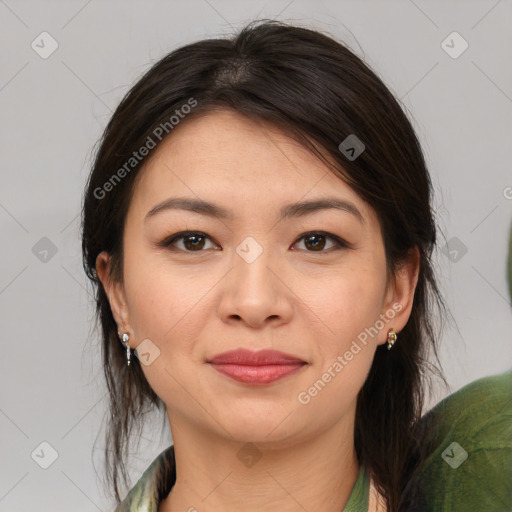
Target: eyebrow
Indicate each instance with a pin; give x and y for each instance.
(288, 211)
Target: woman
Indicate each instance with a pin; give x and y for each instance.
(258, 224)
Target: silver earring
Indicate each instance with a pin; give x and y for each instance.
(124, 340)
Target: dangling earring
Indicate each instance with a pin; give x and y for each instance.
(392, 336)
(124, 340)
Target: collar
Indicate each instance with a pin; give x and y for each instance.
(159, 478)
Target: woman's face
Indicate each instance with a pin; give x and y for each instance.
(253, 279)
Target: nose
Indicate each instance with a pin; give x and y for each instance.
(255, 293)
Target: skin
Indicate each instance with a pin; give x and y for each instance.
(306, 302)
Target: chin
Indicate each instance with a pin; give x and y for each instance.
(262, 428)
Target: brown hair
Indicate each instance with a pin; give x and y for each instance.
(319, 92)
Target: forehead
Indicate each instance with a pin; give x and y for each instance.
(225, 156)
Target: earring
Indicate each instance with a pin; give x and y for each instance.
(392, 336)
(124, 340)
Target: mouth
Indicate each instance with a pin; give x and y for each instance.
(256, 368)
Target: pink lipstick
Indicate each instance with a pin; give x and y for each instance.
(257, 368)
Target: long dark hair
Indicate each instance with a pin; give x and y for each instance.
(319, 92)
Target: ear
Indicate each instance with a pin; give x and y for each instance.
(115, 292)
(399, 297)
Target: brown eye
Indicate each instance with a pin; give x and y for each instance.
(194, 242)
(191, 242)
(316, 242)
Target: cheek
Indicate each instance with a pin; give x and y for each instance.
(169, 307)
(345, 349)
(166, 312)
(347, 302)
(160, 297)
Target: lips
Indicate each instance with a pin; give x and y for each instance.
(248, 358)
(256, 368)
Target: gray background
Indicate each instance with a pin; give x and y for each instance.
(52, 112)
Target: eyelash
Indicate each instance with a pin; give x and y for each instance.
(167, 243)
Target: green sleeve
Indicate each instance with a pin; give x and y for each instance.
(470, 469)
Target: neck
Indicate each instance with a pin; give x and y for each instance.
(313, 474)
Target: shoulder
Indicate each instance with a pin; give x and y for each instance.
(477, 407)
(470, 463)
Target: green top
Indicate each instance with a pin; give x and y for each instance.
(156, 482)
(469, 469)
